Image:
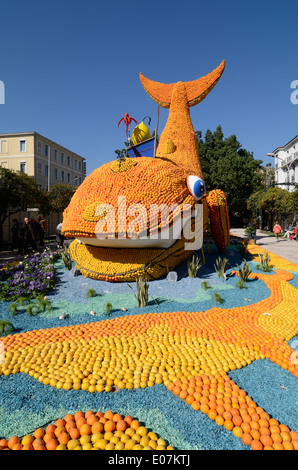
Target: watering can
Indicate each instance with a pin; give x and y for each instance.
(141, 132)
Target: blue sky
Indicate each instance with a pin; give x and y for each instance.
(71, 69)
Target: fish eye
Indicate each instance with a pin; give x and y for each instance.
(196, 186)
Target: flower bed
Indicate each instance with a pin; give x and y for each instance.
(200, 375)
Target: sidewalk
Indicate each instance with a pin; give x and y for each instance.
(287, 249)
(6, 256)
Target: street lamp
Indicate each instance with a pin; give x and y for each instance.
(288, 165)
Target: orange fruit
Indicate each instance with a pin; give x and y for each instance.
(237, 431)
(266, 440)
(3, 443)
(220, 409)
(110, 426)
(246, 438)
(219, 420)
(228, 424)
(28, 447)
(190, 399)
(85, 430)
(196, 405)
(277, 446)
(283, 427)
(204, 408)
(255, 434)
(37, 443)
(89, 413)
(128, 419)
(256, 445)
(27, 440)
(288, 445)
(60, 422)
(39, 433)
(59, 430)
(245, 427)
(50, 428)
(17, 447)
(13, 441)
(97, 427)
(48, 436)
(276, 437)
(237, 420)
(52, 444)
(74, 433)
(69, 425)
(294, 435)
(80, 421)
(117, 417)
(63, 438)
(135, 424)
(108, 414)
(79, 414)
(69, 417)
(212, 414)
(121, 425)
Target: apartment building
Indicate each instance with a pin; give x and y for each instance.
(46, 161)
(286, 164)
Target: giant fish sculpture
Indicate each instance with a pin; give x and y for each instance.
(126, 216)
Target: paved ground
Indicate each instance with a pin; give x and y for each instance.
(287, 249)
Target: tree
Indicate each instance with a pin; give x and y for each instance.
(59, 196)
(227, 166)
(18, 191)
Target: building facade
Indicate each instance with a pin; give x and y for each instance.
(46, 161)
(286, 165)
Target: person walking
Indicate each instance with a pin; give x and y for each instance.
(59, 236)
(29, 236)
(43, 229)
(276, 230)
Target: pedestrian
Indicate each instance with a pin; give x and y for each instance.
(59, 236)
(14, 234)
(276, 230)
(43, 229)
(29, 236)
(294, 233)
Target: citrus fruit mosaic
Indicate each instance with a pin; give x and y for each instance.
(192, 354)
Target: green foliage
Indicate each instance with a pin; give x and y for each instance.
(13, 308)
(243, 251)
(264, 260)
(29, 309)
(221, 267)
(6, 327)
(142, 292)
(205, 285)
(18, 191)
(244, 273)
(66, 258)
(90, 293)
(217, 297)
(109, 308)
(60, 196)
(193, 265)
(226, 165)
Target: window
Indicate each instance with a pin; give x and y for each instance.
(46, 170)
(39, 147)
(68, 177)
(55, 173)
(62, 157)
(55, 154)
(39, 168)
(46, 150)
(76, 180)
(23, 167)
(4, 164)
(22, 145)
(80, 166)
(80, 180)
(62, 175)
(4, 146)
(76, 164)
(68, 160)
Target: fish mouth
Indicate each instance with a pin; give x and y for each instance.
(161, 236)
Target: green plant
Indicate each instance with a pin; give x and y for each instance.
(241, 284)
(22, 301)
(66, 258)
(244, 271)
(29, 309)
(13, 308)
(264, 260)
(109, 308)
(221, 267)
(45, 304)
(90, 293)
(142, 292)
(205, 285)
(193, 265)
(250, 230)
(217, 297)
(6, 327)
